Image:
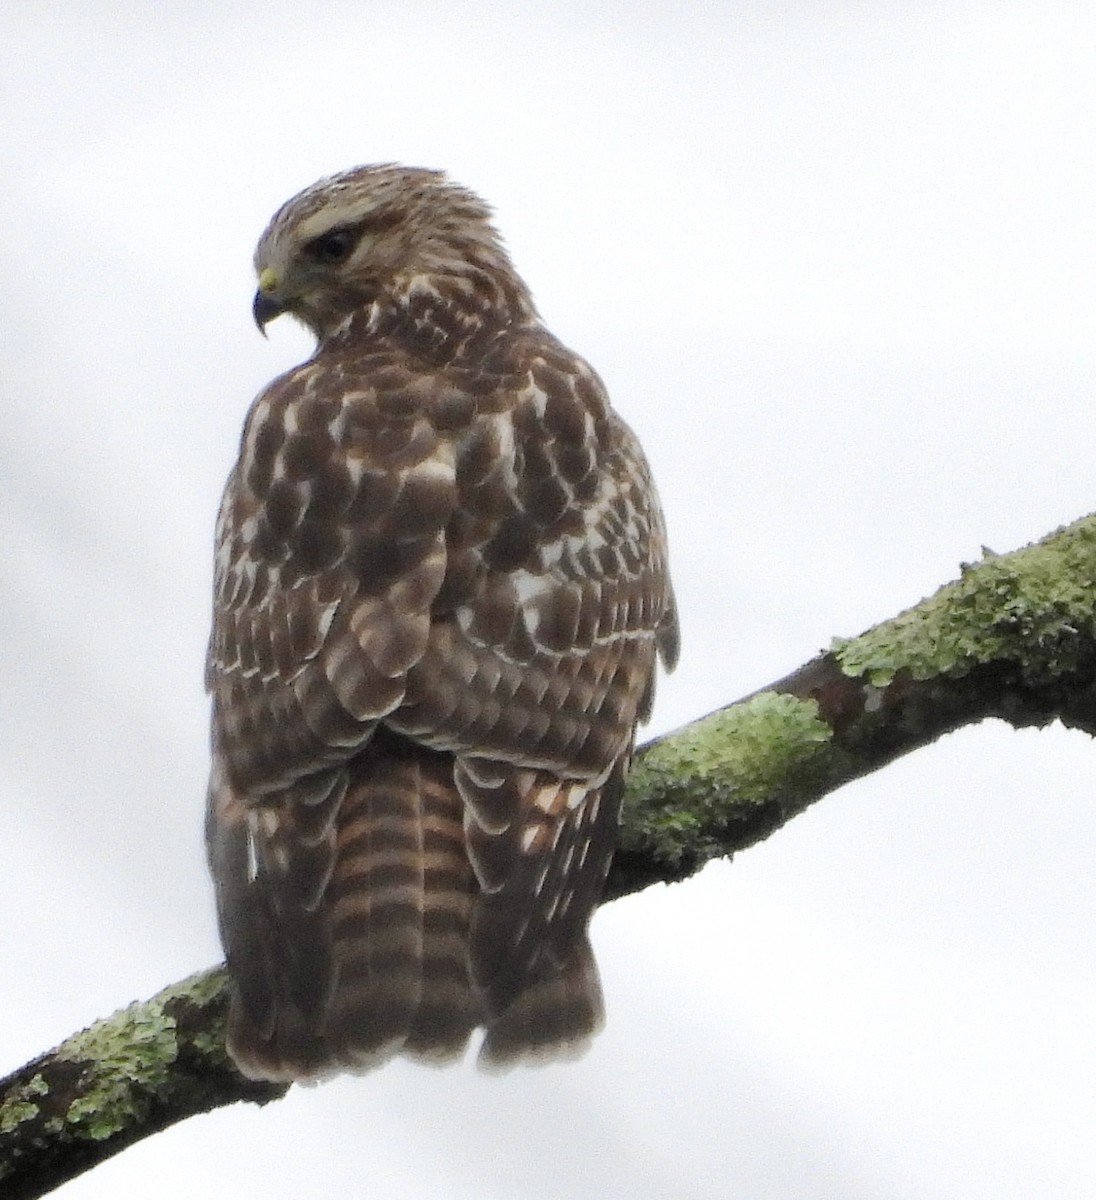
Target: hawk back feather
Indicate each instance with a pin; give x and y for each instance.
(440, 592)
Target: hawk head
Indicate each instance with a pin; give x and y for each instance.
(379, 234)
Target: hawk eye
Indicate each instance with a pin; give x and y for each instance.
(332, 247)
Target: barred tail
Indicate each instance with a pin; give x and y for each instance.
(352, 947)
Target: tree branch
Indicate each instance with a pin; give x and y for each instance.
(120, 1080)
(1014, 637)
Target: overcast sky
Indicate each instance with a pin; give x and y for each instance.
(837, 264)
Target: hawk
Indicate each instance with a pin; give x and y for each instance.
(440, 591)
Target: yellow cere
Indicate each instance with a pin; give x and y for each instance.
(268, 279)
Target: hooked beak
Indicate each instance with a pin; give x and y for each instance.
(266, 305)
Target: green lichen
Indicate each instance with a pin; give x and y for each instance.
(21, 1107)
(15, 1113)
(202, 990)
(1034, 607)
(688, 787)
(127, 1057)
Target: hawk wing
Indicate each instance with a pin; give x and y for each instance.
(474, 560)
(540, 663)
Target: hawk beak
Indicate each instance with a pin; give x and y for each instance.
(266, 306)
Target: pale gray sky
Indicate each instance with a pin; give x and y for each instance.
(836, 262)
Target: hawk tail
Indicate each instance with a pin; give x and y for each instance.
(368, 961)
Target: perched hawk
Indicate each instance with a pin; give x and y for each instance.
(440, 590)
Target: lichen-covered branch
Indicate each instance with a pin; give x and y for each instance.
(1014, 637)
(125, 1077)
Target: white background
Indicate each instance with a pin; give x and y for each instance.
(836, 264)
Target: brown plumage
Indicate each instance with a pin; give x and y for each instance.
(440, 590)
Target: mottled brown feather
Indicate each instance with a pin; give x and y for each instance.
(440, 591)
